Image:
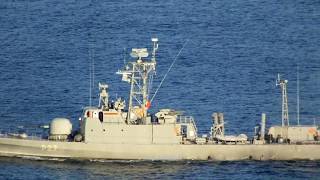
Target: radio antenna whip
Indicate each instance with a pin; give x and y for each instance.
(91, 73)
(298, 96)
(124, 56)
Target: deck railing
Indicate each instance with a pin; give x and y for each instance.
(187, 120)
(31, 135)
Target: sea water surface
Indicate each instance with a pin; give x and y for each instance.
(229, 64)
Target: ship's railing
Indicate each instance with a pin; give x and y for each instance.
(187, 120)
(18, 135)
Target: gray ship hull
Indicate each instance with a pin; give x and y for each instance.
(80, 150)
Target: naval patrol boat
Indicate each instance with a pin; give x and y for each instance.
(113, 131)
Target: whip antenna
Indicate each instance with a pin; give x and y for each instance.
(91, 72)
(298, 96)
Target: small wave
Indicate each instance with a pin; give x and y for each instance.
(38, 158)
(117, 161)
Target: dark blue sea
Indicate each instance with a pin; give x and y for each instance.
(234, 52)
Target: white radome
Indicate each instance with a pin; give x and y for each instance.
(60, 126)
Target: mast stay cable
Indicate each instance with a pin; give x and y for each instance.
(165, 76)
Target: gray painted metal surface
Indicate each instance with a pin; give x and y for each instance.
(110, 131)
(81, 150)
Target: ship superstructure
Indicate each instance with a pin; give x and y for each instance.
(112, 122)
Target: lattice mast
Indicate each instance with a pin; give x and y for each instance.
(285, 109)
(139, 74)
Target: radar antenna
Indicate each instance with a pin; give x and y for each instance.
(285, 109)
(137, 73)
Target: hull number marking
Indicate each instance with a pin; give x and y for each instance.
(49, 147)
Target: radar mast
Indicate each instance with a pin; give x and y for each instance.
(139, 74)
(285, 110)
